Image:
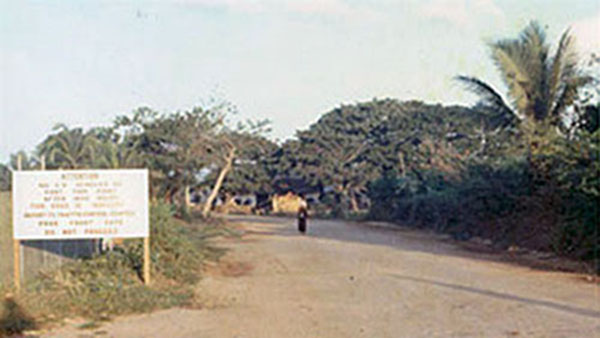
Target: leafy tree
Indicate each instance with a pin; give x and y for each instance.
(546, 200)
(416, 136)
(173, 146)
(353, 145)
(586, 115)
(179, 147)
(252, 170)
(544, 89)
(5, 177)
(333, 152)
(226, 146)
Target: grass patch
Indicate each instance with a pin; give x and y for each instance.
(5, 238)
(110, 284)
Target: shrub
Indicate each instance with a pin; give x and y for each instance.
(111, 283)
(548, 201)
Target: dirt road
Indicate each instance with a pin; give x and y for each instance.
(347, 280)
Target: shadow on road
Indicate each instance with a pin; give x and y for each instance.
(503, 296)
(400, 238)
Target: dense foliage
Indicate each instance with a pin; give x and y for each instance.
(537, 184)
(182, 150)
(517, 169)
(353, 145)
(5, 178)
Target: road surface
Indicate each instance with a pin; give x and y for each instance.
(349, 280)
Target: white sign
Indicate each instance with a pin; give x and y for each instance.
(69, 204)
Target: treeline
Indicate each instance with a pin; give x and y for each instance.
(534, 181)
(182, 150)
(344, 152)
(519, 172)
(458, 170)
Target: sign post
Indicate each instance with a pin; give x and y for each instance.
(147, 260)
(17, 243)
(16, 264)
(80, 204)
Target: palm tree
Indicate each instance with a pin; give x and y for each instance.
(68, 148)
(112, 155)
(28, 162)
(541, 86)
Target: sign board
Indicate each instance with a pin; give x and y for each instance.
(79, 204)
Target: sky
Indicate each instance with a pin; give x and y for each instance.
(83, 63)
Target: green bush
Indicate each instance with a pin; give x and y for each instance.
(548, 201)
(14, 320)
(111, 283)
(573, 166)
(177, 251)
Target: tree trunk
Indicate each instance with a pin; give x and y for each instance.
(218, 183)
(353, 202)
(188, 198)
(168, 196)
(350, 198)
(402, 165)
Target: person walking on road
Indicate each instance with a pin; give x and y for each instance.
(302, 214)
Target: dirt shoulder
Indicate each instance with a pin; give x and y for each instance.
(480, 248)
(348, 280)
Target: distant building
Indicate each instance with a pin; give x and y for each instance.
(286, 196)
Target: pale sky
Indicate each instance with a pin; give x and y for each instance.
(84, 62)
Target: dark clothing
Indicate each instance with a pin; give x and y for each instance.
(302, 216)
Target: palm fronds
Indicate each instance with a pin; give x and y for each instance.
(540, 86)
(489, 97)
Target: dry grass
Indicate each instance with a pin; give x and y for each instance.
(110, 284)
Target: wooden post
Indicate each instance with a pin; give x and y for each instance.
(17, 243)
(17, 264)
(147, 260)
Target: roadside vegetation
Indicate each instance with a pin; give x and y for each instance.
(534, 180)
(110, 284)
(517, 169)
